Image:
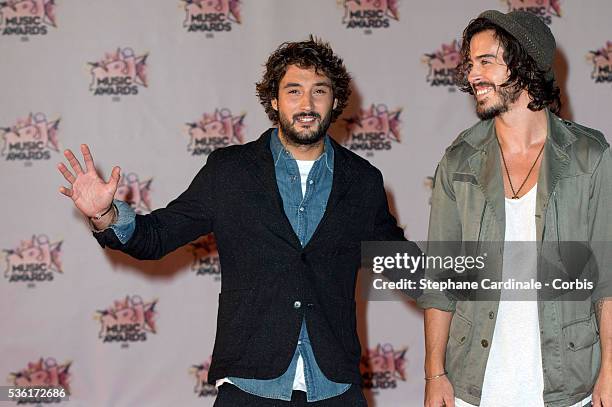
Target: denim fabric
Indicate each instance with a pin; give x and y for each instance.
(125, 223)
(304, 212)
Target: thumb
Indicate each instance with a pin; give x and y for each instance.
(114, 177)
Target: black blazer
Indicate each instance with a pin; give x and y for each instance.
(269, 282)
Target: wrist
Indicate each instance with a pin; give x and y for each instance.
(105, 219)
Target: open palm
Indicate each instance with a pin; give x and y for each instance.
(90, 194)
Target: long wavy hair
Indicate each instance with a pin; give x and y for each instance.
(312, 53)
(524, 72)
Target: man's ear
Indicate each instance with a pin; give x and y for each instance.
(274, 104)
(335, 103)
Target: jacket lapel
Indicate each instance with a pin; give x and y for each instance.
(341, 183)
(485, 164)
(260, 166)
(554, 164)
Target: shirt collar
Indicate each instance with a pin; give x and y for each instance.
(278, 151)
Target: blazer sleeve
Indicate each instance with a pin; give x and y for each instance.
(183, 220)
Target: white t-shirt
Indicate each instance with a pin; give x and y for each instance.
(299, 382)
(513, 376)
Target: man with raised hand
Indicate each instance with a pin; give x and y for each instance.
(289, 211)
(521, 174)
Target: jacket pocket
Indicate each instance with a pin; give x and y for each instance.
(582, 355)
(456, 349)
(232, 318)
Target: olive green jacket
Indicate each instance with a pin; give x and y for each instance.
(574, 203)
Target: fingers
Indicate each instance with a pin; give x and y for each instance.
(449, 401)
(67, 174)
(66, 191)
(114, 177)
(596, 402)
(89, 164)
(74, 163)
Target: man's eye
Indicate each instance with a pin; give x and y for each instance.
(321, 91)
(293, 91)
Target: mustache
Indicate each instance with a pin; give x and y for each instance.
(306, 114)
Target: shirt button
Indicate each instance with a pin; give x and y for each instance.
(491, 315)
(484, 343)
(301, 209)
(297, 304)
(299, 342)
(311, 182)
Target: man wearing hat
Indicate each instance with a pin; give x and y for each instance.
(520, 174)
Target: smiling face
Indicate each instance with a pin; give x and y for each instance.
(304, 104)
(487, 73)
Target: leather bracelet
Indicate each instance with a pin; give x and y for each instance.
(436, 376)
(98, 217)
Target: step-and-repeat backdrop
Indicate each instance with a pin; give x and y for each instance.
(156, 85)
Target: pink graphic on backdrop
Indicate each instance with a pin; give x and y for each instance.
(31, 138)
(119, 73)
(545, 9)
(383, 366)
(370, 14)
(33, 260)
(205, 256)
(442, 64)
(211, 15)
(374, 129)
(219, 129)
(128, 320)
(135, 192)
(602, 63)
(43, 373)
(27, 17)
(200, 372)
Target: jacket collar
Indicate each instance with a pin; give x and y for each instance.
(485, 164)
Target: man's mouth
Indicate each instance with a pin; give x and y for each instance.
(482, 88)
(306, 118)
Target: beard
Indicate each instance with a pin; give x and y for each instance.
(507, 96)
(305, 137)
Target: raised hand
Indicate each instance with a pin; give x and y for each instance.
(90, 194)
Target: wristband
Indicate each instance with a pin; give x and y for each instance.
(98, 217)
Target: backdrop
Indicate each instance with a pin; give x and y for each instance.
(154, 86)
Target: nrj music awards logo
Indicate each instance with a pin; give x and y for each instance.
(119, 73)
(370, 14)
(34, 260)
(30, 139)
(127, 320)
(545, 9)
(27, 17)
(202, 388)
(205, 257)
(442, 65)
(135, 192)
(219, 129)
(383, 366)
(42, 373)
(602, 63)
(374, 129)
(211, 15)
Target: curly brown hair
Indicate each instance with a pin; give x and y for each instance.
(524, 73)
(312, 53)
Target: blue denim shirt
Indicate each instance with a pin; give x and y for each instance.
(304, 213)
